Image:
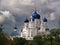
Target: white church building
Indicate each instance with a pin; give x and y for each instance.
(35, 25)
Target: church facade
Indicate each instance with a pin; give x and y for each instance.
(35, 25)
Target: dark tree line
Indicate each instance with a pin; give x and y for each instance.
(52, 39)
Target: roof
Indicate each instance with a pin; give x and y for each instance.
(35, 15)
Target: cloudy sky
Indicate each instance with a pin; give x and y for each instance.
(13, 12)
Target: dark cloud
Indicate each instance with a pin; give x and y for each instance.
(20, 9)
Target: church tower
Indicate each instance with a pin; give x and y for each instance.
(24, 32)
(45, 23)
(45, 26)
(36, 18)
(36, 25)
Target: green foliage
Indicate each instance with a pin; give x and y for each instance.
(52, 39)
(38, 40)
(31, 43)
(19, 41)
(55, 32)
(3, 38)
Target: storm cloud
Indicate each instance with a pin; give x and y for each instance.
(20, 9)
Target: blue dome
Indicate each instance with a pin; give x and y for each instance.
(26, 20)
(35, 15)
(44, 20)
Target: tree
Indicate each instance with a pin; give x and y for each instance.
(3, 39)
(19, 41)
(55, 32)
(38, 40)
(31, 42)
(55, 35)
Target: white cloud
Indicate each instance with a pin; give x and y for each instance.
(22, 8)
(52, 16)
(43, 1)
(6, 15)
(2, 18)
(27, 2)
(8, 21)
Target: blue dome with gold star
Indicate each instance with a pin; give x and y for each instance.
(35, 15)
